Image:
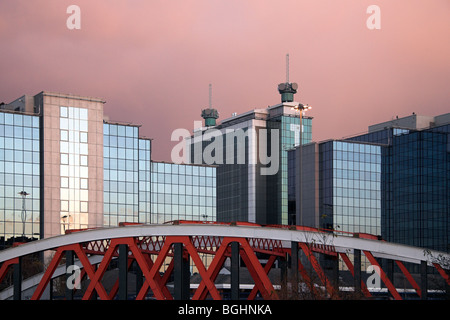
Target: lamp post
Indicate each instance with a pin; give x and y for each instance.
(66, 222)
(24, 194)
(299, 217)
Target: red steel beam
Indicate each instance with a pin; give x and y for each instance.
(442, 273)
(267, 269)
(90, 271)
(151, 274)
(312, 259)
(5, 267)
(350, 266)
(409, 277)
(95, 277)
(162, 281)
(201, 268)
(48, 274)
(257, 272)
(213, 270)
(383, 275)
(193, 245)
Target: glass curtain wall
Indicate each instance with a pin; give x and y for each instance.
(183, 192)
(277, 191)
(356, 190)
(74, 171)
(120, 174)
(144, 180)
(19, 178)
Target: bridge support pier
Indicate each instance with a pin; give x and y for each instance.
(424, 279)
(69, 262)
(235, 246)
(123, 272)
(389, 266)
(181, 273)
(294, 268)
(139, 278)
(17, 279)
(357, 270)
(335, 272)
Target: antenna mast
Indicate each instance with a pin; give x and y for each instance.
(210, 115)
(287, 68)
(210, 95)
(287, 89)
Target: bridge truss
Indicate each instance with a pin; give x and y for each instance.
(164, 251)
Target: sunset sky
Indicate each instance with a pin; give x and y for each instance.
(152, 60)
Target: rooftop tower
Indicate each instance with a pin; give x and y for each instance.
(287, 89)
(210, 115)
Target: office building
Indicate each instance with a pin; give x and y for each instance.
(392, 181)
(62, 166)
(341, 186)
(182, 192)
(67, 133)
(126, 159)
(250, 151)
(416, 176)
(19, 171)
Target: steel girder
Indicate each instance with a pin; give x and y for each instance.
(151, 249)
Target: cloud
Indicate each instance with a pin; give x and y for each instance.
(152, 61)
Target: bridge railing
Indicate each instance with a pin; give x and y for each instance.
(163, 252)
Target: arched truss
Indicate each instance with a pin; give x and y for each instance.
(151, 245)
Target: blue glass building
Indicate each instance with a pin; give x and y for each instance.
(62, 166)
(126, 159)
(249, 188)
(392, 181)
(19, 172)
(416, 176)
(182, 192)
(346, 195)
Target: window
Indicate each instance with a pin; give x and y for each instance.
(73, 169)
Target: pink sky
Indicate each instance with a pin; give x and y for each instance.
(152, 61)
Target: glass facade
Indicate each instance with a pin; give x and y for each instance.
(415, 185)
(74, 172)
(392, 182)
(355, 184)
(232, 171)
(144, 180)
(96, 173)
(19, 178)
(349, 190)
(416, 210)
(120, 174)
(277, 192)
(182, 192)
(244, 193)
(233, 190)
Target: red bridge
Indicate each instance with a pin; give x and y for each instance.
(161, 252)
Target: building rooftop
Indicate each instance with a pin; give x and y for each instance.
(27, 103)
(412, 122)
(284, 108)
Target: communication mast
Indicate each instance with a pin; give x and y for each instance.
(210, 115)
(287, 89)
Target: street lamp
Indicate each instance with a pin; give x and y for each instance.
(66, 223)
(24, 194)
(299, 216)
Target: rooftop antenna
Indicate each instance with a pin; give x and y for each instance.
(210, 95)
(287, 89)
(287, 68)
(210, 115)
